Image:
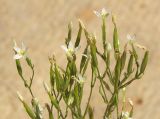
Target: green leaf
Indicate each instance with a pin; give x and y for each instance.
(79, 35)
(144, 62)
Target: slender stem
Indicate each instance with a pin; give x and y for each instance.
(88, 102)
(89, 98)
(129, 82)
(117, 111)
(66, 112)
(31, 79)
(100, 78)
(30, 90)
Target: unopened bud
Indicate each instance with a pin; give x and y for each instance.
(20, 97)
(46, 87)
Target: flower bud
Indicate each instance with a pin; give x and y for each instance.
(144, 62)
(130, 64)
(20, 97)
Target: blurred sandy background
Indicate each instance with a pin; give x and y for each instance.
(42, 25)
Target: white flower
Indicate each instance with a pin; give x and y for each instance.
(80, 79)
(70, 50)
(103, 12)
(125, 115)
(131, 38)
(20, 52)
(37, 107)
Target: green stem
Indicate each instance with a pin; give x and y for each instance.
(89, 98)
(103, 89)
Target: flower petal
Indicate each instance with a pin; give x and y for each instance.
(77, 48)
(64, 48)
(17, 56)
(71, 46)
(131, 37)
(17, 49)
(103, 12)
(23, 47)
(97, 13)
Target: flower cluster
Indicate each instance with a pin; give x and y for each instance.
(67, 83)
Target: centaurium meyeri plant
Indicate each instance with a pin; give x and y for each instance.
(67, 84)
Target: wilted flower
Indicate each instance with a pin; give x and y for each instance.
(70, 50)
(20, 52)
(103, 12)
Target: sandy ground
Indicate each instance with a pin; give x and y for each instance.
(42, 25)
